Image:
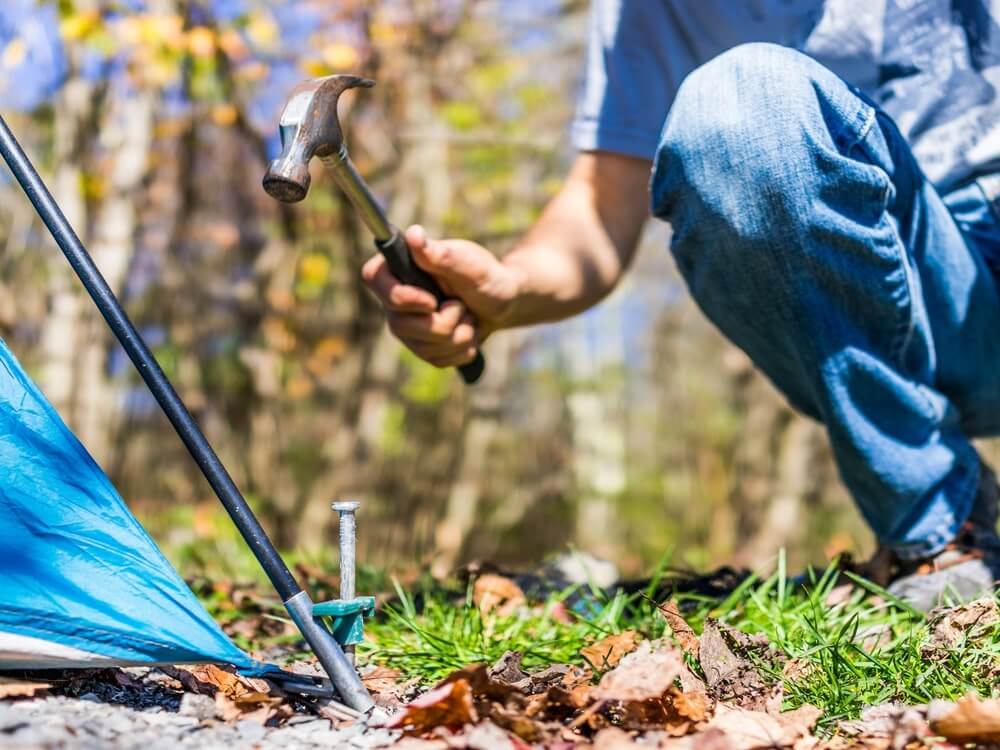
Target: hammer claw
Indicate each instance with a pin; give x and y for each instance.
(309, 127)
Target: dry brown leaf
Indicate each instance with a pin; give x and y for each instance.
(484, 687)
(683, 633)
(730, 673)
(710, 739)
(690, 682)
(874, 639)
(750, 730)
(124, 679)
(694, 707)
(21, 689)
(230, 710)
(209, 678)
(507, 669)
(608, 652)
(642, 675)
(492, 592)
(683, 712)
(558, 704)
(886, 725)
(382, 680)
(796, 670)
(614, 738)
(448, 705)
(236, 697)
(971, 719)
(561, 613)
(416, 743)
(856, 743)
(840, 594)
(517, 720)
(641, 694)
(970, 621)
(488, 736)
(799, 721)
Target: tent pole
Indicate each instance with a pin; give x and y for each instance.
(297, 601)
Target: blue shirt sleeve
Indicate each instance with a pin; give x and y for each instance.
(630, 79)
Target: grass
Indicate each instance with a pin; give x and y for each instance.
(444, 636)
(841, 675)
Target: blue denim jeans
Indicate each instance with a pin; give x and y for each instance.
(808, 234)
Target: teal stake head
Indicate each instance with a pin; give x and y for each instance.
(346, 618)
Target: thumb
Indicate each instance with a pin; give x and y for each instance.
(460, 264)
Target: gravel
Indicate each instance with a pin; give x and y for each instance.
(150, 717)
(79, 723)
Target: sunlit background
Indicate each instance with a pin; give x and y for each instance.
(634, 432)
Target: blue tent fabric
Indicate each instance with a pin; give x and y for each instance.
(77, 569)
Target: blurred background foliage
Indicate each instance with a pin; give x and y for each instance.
(631, 432)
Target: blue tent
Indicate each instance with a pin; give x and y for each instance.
(81, 582)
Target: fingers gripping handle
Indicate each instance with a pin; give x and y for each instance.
(404, 268)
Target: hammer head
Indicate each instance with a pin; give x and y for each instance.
(309, 127)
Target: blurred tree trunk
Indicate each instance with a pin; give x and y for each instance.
(126, 134)
(598, 441)
(482, 423)
(778, 466)
(74, 110)
(111, 135)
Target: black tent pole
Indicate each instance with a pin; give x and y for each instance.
(297, 601)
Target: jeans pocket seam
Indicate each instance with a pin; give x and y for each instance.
(906, 324)
(847, 137)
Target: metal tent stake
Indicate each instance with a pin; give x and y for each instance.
(296, 601)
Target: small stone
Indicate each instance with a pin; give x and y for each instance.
(91, 698)
(157, 717)
(375, 738)
(201, 707)
(8, 715)
(300, 719)
(250, 730)
(120, 722)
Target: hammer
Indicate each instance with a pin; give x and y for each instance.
(309, 127)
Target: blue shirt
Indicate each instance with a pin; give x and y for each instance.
(933, 65)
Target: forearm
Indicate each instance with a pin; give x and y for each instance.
(583, 242)
(572, 258)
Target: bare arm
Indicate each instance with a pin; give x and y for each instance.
(571, 259)
(583, 242)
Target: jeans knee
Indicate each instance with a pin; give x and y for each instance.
(734, 125)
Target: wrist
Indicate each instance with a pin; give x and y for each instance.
(511, 284)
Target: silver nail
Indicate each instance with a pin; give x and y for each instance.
(348, 553)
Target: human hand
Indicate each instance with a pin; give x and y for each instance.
(480, 290)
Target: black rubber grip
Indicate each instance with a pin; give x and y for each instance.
(404, 268)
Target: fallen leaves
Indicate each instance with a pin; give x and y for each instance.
(720, 690)
(971, 719)
(382, 679)
(388, 688)
(646, 675)
(506, 707)
(683, 633)
(970, 621)
(607, 652)
(448, 705)
(642, 693)
(728, 659)
(749, 730)
(494, 593)
(508, 671)
(10, 688)
(236, 697)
